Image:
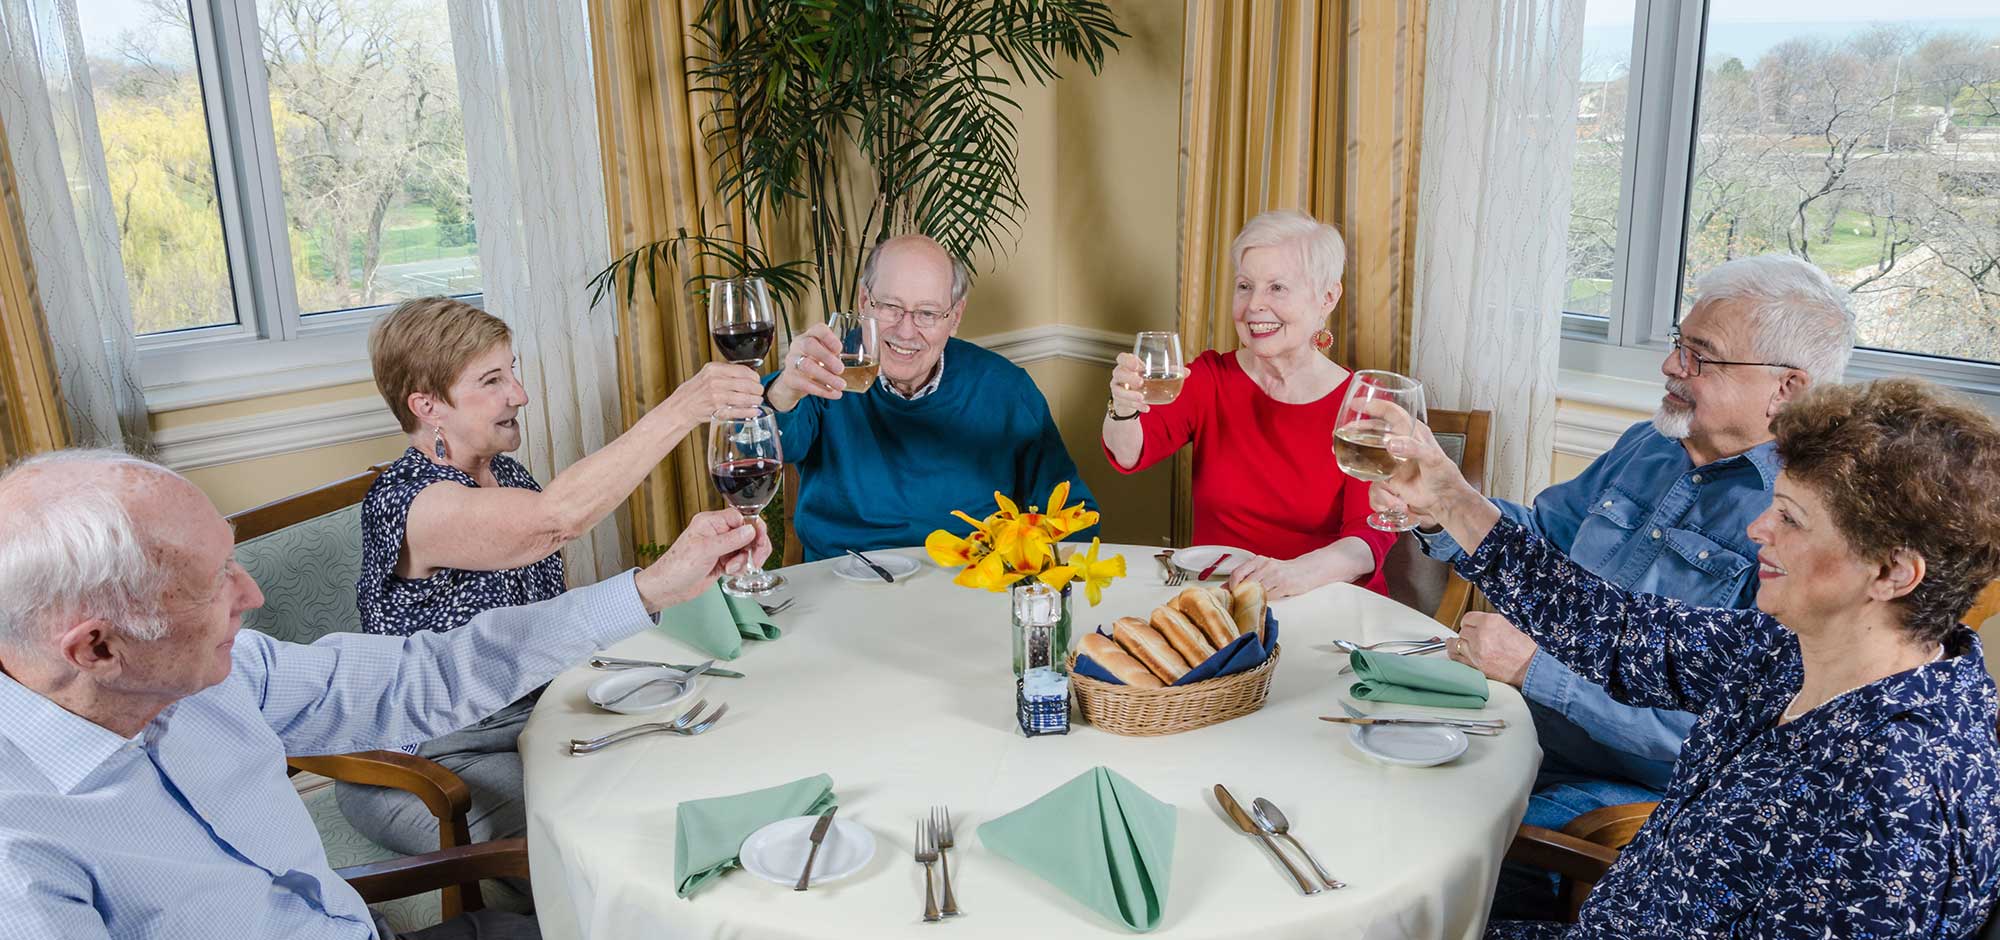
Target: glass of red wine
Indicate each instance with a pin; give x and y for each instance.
(741, 319)
(746, 464)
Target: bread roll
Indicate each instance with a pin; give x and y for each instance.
(1149, 647)
(1199, 605)
(1117, 662)
(1186, 638)
(1246, 607)
(1221, 592)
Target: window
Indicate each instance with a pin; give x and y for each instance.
(282, 171)
(1863, 138)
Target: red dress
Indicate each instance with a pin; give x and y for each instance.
(1264, 475)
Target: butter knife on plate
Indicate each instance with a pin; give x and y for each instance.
(878, 569)
(818, 836)
(1245, 823)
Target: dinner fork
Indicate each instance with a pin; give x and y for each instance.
(941, 834)
(772, 610)
(926, 855)
(687, 725)
(1173, 571)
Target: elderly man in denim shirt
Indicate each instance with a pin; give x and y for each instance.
(1664, 512)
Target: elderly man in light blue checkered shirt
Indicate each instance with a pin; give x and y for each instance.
(143, 733)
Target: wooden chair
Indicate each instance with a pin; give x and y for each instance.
(1416, 580)
(1582, 851)
(305, 553)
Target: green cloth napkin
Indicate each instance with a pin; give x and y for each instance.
(709, 834)
(1417, 680)
(1099, 838)
(717, 623)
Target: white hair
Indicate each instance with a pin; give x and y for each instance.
(961, 276)
(1797, 316)
(78, 553)
(1322, 252)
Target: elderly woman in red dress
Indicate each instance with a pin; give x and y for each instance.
(1261, 420)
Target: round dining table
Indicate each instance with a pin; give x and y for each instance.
(904, 694)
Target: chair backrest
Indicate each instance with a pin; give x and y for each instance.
(1414, 579)
(304, 551)
(1986, 608)
(1610, 826)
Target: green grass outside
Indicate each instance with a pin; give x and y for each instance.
(409, 233)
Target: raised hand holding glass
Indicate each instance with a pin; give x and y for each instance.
(860, 349)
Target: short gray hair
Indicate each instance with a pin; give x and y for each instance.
(78, 554)
(1321, 249)
(961, 276)
(1797, 315)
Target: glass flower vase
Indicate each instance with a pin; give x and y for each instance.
(1041, 626)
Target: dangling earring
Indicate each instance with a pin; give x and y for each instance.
(437, 443)
(1323, 339)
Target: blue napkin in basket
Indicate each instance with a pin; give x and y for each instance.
(1243, 654)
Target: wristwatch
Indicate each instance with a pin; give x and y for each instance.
(1111, 411)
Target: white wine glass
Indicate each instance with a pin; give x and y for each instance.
(860, 349)
(747, 465)
(741, 319)
(1161, 368)
(1361, 432)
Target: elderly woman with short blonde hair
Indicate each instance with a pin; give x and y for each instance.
(1261, 419)
(456, 527)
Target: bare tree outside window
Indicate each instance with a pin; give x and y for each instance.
(370, 145)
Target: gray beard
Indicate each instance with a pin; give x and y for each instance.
(1673, 424)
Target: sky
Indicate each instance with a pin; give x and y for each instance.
(103, 20)
(1606, 12)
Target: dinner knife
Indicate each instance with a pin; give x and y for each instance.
(818, 835)
(1494, 725)
(614, 662)
(1205, 572)
(878, 569)
(1245, 823)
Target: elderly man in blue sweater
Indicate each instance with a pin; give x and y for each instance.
(946, 424)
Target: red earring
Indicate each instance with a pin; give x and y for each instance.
(1323, 340)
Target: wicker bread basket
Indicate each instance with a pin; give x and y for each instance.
(1122, 709)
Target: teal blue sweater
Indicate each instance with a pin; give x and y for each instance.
(879, 471)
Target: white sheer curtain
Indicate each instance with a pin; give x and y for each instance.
(538, 195)
(72, 229)
(1493, 220)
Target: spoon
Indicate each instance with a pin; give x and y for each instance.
(1271, 819)
(680, 680)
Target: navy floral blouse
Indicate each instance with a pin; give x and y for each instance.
(450, 596)
(1872, 816)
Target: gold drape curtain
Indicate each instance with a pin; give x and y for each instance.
(1314, 105)
(659, 180)
(31, 410)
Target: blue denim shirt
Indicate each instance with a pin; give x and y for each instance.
(1646, 519)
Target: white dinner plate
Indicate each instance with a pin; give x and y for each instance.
(651, 698)
(1409, 745)
(898, 566)
(1193, 560)
(777, 852)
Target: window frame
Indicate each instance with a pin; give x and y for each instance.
(273, 346)
(1662, 112)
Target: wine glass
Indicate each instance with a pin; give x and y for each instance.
(1361, 432)
(860, 349)
(740, 319)
(1161, 367)
(747, 465)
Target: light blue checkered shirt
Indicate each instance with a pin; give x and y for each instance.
(191, 828)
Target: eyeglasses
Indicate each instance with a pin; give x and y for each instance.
(1691, 362)
(890, 315)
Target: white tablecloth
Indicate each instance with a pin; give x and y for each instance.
(905, 695)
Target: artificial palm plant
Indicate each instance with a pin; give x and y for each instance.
(840, 123)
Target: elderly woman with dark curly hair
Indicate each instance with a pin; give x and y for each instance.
(1841, 778)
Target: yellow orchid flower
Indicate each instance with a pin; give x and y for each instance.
(1068, 519)
(1007, 512)
(989, 573)
(1027, 546)
(1095, 574)
(950, 551)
